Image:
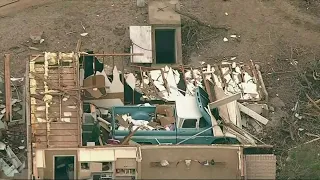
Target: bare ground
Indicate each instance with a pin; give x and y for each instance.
(273, 33)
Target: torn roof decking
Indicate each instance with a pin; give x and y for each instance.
(55, 112)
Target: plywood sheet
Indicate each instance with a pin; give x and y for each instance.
(141, 43)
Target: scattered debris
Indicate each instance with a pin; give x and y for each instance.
(84, 34)
(34, 48)
(9, 162)
(36, 36)
(253, 114)
(233, 58)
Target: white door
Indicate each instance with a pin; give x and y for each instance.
(141, 43)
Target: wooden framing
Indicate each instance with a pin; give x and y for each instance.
(55, 113)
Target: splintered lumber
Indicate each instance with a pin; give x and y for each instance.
(224, 101)
(216, 128)
(253, 114)
(313, 102)
(208, 88)
(127, 139)
(7, 82)
(79, 43)
(240, 133)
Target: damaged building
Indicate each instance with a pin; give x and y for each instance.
(88, 120)
(81, 125)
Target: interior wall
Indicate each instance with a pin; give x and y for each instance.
(195, 171)
(49, 160)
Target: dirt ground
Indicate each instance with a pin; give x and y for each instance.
(273, 33)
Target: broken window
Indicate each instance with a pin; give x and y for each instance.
(165, 46)
(189, 123)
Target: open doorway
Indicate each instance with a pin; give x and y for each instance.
(165, 46)
(64, 167)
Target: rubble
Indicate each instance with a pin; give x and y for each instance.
(84, 34)
(36, 36)
(9, 162)
(155, 122)
(12, 146)
(232, 77)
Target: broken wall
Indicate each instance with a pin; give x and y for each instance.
(226, 158)
(44, 165)
(54, 100)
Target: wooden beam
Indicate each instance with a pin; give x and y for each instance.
(208, 88)
(111, 54)
(127, 138)
(7, 82)
(253, 114)
(79, 43)
(224, 101)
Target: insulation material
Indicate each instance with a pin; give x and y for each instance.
(49, 74)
